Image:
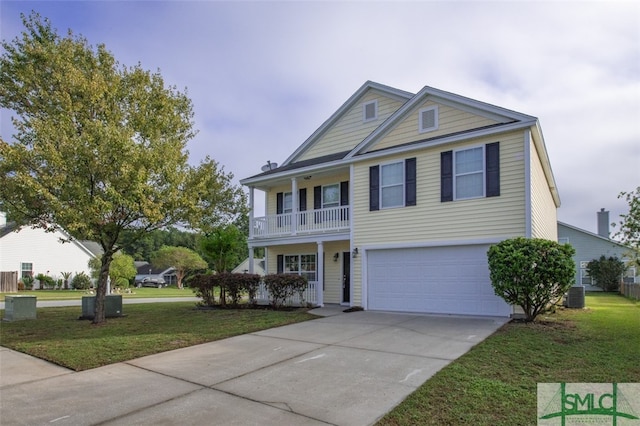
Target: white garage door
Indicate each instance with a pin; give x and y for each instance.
(448, 280)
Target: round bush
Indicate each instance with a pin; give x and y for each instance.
(81, 281)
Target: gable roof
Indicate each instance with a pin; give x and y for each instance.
(507, 120)
(593, 235)
(353, 100)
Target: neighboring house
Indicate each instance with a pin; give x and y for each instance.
(590, 246)
(258, 267)
(32, 251)
(146, 270)
(394, 201)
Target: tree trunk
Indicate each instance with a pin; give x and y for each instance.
(101, 291)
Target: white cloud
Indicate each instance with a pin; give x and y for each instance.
(264, 75)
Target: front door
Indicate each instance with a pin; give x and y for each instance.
(346, 277)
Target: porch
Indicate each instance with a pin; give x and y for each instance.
(332, 219)
(309, 296)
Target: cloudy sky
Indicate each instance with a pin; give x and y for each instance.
(265, 75)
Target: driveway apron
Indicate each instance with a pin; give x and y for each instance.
(345, 369)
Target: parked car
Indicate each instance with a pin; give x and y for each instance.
(150, 282)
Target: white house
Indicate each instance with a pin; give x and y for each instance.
(32, 251)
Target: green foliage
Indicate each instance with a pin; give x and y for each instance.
(66, 276)
(122, 270)
(281, 287)
(629, 231)
(606, 272)
(232, 288)
(142, 247)
(100, 148)
(28, 282)
(45, 281)
(223, 248)
(81, 281)
(531, 273)
(182, 259)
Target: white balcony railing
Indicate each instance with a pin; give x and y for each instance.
(310, 296)
(312, 221)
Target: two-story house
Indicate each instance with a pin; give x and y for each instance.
(394, 201)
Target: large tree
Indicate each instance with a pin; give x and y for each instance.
(184, 260)
(100, 148)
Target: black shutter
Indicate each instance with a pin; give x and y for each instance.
(279, 203)
(446, 176)
(492, 154)
(280, 263)
(410, 181)
(302, 204)
(344, 193)
(317, 203)
(374, 188)
(344, 199)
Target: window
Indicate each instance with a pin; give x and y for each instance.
(303, 264)
(585, 278)
(330, 196)
(563, 240)
(26, 269)
(428, 118)
(370, 111)
(469, 173)
(392, 185)
(287, 206)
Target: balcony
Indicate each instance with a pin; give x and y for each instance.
(333, 219)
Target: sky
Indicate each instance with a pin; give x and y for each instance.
(263, 76)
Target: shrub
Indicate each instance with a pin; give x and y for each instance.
(45, 281)
(81, 281)
(28, 282)
(606, 272)
(531, 273)
(203, 287)
(283, 286)
(21, 286)
(232, 287)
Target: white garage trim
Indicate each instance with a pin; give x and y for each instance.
(444, 279)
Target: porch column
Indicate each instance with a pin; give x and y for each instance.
(251, 208)
(320, 273)
(294, 205)
(251, 260)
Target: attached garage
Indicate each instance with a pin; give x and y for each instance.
(445, 280)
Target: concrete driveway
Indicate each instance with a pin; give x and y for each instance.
(342, 369)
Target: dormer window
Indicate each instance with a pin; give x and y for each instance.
(370, 111)
(428, 118)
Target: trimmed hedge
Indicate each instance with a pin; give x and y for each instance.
(283, 286)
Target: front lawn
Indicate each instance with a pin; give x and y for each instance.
(495, 383)
(77, 294)
(58, 336)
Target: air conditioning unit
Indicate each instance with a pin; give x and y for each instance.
(575, 297)
(112, 306)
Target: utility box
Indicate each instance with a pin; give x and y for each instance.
(575, 297)
(112, 306)
(19, 308)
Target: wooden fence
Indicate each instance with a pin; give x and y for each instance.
(630, 290)
(9, 282)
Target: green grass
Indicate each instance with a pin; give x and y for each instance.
(77, 294)
(58, 336)
(495, 383)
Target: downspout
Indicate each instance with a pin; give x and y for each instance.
(528, 226)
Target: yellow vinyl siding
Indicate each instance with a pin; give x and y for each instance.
(350, 130)
(544, 220)
(332, 270)
(309, 184)
(432, 220)
(450, 120)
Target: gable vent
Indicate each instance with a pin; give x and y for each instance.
(428, 119)
(370, 111)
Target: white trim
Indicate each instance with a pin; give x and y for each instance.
(421, 128)
(300, 239)
(436, 243)
(528, 225)
(403, 183)
(322, 195)
(375, 111)
(484, 172)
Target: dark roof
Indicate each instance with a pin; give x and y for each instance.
(305, 163)
(8, 228)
